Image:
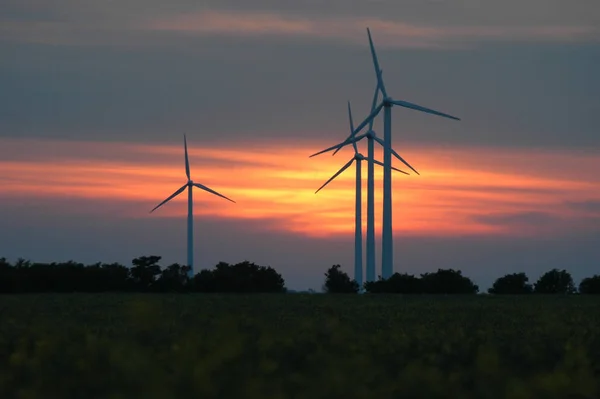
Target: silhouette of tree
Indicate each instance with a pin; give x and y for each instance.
(447, 281)
(590, 285)
(396, 284)
(512, 284)
(173, 279)
(116, 277)
(241, 277)
(555, 282)
(7, 277)
(144, 271)
(375, 287)
(205, 281)
(145, 275)
(338, 282)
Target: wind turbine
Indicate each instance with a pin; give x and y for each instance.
(371, 138)
(387, 257)
(190, 217)
(358, 157)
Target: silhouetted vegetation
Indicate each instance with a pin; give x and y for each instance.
(512, 284)
(242, 277)
(444, 281)
(590, 285)
(145, 275)
(447, 281)
(338, 282)
(555, 282)
(396, 284)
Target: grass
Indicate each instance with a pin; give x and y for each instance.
(298, 346)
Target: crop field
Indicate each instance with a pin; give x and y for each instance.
(298, 346)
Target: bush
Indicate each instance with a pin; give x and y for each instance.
(512, 284)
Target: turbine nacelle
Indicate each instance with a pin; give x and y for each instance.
(357, 157)
(190, 183)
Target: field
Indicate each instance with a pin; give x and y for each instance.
(298, 346)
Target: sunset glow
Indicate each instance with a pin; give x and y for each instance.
(460, 190)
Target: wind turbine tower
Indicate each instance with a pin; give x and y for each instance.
(387, 256)
(371, 139)
(358, 157)
(190, 217)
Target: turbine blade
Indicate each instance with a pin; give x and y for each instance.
(401, 171)
(406, 104)
(374, 104)
(380, 141)
(343, 143)
(360, 137)
(369, 118)
(381, 164)
(187, 163)
(175, 194)
(376, 64)
(203, 187)
(349, 140)
(351, 130)
(343, 168)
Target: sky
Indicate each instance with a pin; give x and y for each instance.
(96, 96)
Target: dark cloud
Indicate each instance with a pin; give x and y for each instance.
(544, 225)
(104, 73)
(453, 12)
(527, 96)
(591, 206)
(537, 219)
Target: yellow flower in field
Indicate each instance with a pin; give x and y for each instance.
(268, 366)
(17, 358)
(487, 361)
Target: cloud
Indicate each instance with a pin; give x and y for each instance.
(558, 221)
(520, 219)
(590, 208)
(144, 82)
(461, 191)
(389, 33)
(71, 24)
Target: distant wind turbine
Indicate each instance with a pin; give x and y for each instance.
(371, 138)
(190, 217)
(387, 258)
(358, 157)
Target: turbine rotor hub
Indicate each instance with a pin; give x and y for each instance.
(190, 182)
(371, 134)
(358, 156)
(387, 101)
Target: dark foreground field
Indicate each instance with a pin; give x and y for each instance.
(297, 346)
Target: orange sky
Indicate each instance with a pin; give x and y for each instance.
(457, 186)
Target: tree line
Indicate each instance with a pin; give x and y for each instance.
(147, 275)
(144, 275)
(450, 281)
